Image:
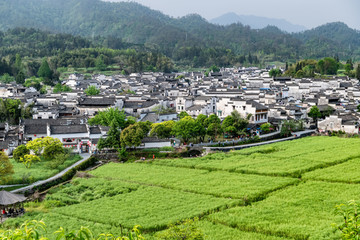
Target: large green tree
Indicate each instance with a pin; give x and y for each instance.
(358, 72)
(6, 168)
(44, 70)
(314, 113)
(132, 136)
(162, 130)
(106, 117)
(113, 137)
(92, 91)
(185, 128)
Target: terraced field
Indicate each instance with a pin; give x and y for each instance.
(281, 191)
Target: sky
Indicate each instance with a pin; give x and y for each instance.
(309, 13)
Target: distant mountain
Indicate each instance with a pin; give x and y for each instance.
(256, 22)
(190, 39)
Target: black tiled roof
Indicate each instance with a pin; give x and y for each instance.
(68, 129)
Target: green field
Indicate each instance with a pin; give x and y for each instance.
(232, 185)
(286, 190)
(291, 158)
(38, 171)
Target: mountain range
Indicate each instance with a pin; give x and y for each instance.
(256, 22)
(191, 38)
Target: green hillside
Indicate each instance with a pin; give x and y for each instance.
(286, 190)
(188, 38)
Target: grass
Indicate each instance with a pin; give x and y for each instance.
(301, 212)
(216, 183)
(151, 207)
(292, 158)
(38, 171)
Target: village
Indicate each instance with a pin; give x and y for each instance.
(159, 97)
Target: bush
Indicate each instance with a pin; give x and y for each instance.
(58, 160)
(53, 150)
(20, 152)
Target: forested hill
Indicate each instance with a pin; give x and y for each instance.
(189, 39)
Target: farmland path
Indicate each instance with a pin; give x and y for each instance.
(85, 156)
(294, 136)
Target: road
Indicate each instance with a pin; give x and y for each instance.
(84, 156)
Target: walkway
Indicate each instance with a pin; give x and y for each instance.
(84, 156)
(294, 136)
(235, 141)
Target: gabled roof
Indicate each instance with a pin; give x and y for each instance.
(63, 129)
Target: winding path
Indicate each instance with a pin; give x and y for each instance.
(84, 156)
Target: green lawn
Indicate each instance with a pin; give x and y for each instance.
(38, 171)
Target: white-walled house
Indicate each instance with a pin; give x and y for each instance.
(336, 123)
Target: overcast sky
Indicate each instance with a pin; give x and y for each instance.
(309, 13)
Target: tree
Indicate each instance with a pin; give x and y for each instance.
(314, 113)
(53, 149)
(183, 114)
(328, 66)
(358, 72)
(61, 88)
(266, 127)
(275, 72)
(185, 128)
(240, 123)
(350, 227)
(214, 129)
(6, 168)
(291, 126)
(92, 91)
(200, 128)
(6, 78)
(99, 63)
(44, 70)
(20, 152)
(212, 119)
(29, 159)
(132, 136)
(106, 117)
(162, 130)
(20, 78)
(286, 128)
(113, 137)
(39, 144)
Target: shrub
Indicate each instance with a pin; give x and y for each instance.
(58, 160)
(20, 152)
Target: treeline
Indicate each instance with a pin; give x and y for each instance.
(327, 66)
(130, 23)
(129, 60)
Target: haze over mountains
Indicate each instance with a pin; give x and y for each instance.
(257, 22)
(179, 38)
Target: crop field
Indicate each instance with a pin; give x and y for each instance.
(38, 171)
(347, 172)
(291, 158)
(286, 190)
(216, 183)
(298, 212)
(151, 207)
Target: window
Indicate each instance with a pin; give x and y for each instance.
(244, 108)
